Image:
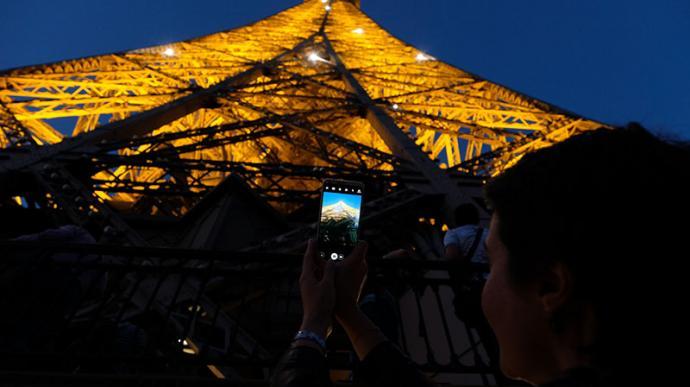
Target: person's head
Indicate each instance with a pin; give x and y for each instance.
(466, 214)
(579, 236)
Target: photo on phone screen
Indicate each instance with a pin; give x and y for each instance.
(338, 229)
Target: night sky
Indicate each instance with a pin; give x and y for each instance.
(612, 61)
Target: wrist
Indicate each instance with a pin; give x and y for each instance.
(346, 315)
(317, 325)
(311, 339)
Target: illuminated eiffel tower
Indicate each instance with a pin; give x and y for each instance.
(221, 143)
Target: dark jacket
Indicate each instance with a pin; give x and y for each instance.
(385, 366)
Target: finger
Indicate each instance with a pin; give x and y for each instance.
(328, 273)
(308, 260)
(316, 261)
(361, 285)
(358, 254)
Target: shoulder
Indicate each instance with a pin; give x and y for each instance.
(466, 231)
(459, 235)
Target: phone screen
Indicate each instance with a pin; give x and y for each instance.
(338, 230)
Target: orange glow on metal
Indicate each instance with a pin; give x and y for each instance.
(451, 115)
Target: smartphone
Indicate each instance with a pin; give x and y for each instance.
(339, 215)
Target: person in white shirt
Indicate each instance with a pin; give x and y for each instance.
(460, 241)
(466, 245)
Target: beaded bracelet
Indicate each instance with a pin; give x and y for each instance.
(311, 336)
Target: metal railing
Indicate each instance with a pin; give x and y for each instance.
(163, 315)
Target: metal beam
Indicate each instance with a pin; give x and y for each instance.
(145, 122)
(400, 144)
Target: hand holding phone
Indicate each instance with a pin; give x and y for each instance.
(339, 216)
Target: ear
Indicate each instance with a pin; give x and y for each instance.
(556, 287)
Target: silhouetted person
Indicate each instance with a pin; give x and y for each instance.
(465, 246)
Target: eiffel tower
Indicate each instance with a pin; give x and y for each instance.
(197, 165)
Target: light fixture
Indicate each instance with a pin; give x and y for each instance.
(358, 30)
(422, 57)
(395, 106)
(169, 52)
(327, 8)
(314, 57)
(324, 1)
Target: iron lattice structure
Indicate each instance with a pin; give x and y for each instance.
(221, 142)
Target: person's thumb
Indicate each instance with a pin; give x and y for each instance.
(359, 253)
(328, 272)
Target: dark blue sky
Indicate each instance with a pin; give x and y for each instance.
(610, 60)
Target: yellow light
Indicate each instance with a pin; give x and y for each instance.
(359, 31)
(432, 221)
(444, 228)
(422, 220)
(422, 57)
(169, 52)
(188, 346)
(314, 57)
(327, 8)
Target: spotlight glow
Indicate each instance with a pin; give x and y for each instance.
(422, 57)
(314, 57)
